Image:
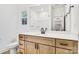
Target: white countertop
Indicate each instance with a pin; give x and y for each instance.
(53, 34)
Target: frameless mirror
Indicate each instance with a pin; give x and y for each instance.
(39, 16)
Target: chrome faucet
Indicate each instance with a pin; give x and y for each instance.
(43, 30)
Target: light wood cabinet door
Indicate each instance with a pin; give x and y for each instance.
(44, 49)
(63, 51)
(30, 48)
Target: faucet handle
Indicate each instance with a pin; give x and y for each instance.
(42, 29)
(45, 29)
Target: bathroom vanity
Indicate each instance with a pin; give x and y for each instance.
(47, 44)
(60, 37)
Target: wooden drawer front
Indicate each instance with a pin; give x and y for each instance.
(41, 40)
(63, 51)
(21, 44)
(21, 37)
(20, 51)
(64, 44)
(48, 41)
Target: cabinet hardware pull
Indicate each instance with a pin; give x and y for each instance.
(20, 44)
(63, 44)
(21, 36)
(35, 46)
(20, 52)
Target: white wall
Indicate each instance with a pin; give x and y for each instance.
(8, 22)
(68, 19)
(75, 19)
(20, 8)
